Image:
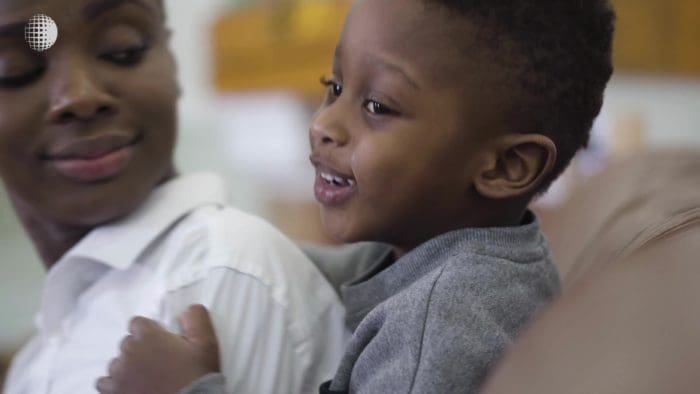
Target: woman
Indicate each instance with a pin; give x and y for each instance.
(87, 130)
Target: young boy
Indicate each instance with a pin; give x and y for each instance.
(87, 130)
(443, 119)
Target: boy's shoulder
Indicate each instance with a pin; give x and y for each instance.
(490, 264)
(474, 281)
(484, 275)
(493, 269)
(475, 285)
(444, 330)
(481, 306)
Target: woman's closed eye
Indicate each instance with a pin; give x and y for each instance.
(20, 80)
(130, 56)
(19, 67)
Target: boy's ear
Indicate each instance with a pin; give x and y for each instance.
(515, 166)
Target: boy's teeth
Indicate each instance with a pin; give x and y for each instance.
(336, 180)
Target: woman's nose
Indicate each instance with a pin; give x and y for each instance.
(78, 96)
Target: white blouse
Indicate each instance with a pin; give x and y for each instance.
(279, 323)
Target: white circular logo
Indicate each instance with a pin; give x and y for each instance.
(40, 32)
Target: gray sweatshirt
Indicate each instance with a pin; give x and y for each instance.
(439, 317)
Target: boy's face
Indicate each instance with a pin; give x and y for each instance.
(87, 128)
(405, 118)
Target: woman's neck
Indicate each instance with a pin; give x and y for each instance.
(52, 240)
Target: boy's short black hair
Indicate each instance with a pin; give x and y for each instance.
(558, 58)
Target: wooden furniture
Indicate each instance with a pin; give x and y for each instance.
(289, 44)
(658, 36)
(626, 245)
(273, 46)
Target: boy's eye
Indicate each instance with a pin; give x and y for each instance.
(376, 108)
(335, 88)
(127, 57)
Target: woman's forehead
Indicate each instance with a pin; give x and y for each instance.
(70, 14)
(14, 6)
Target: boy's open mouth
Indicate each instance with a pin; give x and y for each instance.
(336, 180)
(332, 188)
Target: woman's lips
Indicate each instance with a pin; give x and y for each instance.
(94, 168)
(92, 159)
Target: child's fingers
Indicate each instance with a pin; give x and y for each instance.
(116, 367)
(127, 344)
(105, 385)
(197, 326)
(139, 326)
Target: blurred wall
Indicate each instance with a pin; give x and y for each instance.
(667, 107)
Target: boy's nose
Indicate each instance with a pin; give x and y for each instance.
(77, 96)
(327, 129)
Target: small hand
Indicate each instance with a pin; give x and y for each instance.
(156, 361)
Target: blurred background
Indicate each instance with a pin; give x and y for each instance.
(250, 71)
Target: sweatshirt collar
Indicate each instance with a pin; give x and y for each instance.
(519, 244)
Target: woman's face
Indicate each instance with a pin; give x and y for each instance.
(87, 128)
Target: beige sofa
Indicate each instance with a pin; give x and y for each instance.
(628, 321)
